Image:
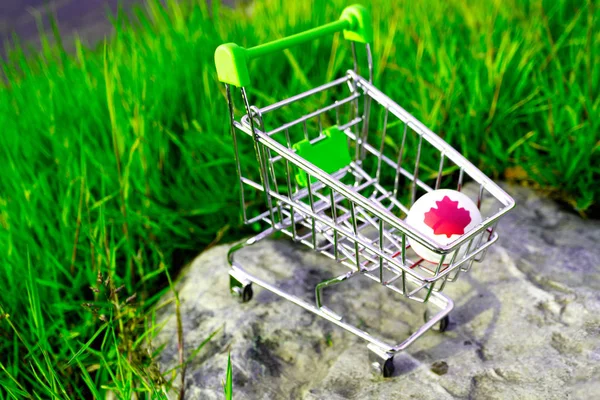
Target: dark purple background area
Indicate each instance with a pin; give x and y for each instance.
(87, 17)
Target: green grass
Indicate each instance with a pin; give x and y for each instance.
(117, 166)
(228, 382)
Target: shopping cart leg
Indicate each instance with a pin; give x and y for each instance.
(330, 282)
(381, 353)
(240, 284)
(441, 326)
(381, 361)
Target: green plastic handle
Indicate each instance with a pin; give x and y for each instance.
(232, 60)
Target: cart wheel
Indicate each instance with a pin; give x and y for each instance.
(244, 293)
(388, 368)
(440, 326)
(381, 361)
(241, 290)
(247, 294)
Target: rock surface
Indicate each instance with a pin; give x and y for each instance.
(526, 323)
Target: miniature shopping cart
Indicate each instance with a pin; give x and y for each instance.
(337, 169)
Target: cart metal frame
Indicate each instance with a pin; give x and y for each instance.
(351, 215)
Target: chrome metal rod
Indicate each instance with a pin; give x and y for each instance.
(238, 168)
(308, 93)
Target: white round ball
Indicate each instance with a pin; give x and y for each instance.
(443, 215)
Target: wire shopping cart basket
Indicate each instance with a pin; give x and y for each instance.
(338, 168)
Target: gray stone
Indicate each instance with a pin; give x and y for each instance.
(526, 324)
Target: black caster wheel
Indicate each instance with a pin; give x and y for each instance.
(440, 326)
(247, 293)
(243, 291)
(388, 368)
(381, 361)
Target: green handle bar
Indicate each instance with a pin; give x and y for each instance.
(232, 60)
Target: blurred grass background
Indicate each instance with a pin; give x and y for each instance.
(117, 167)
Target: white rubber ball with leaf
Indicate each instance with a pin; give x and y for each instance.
(443, 216)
